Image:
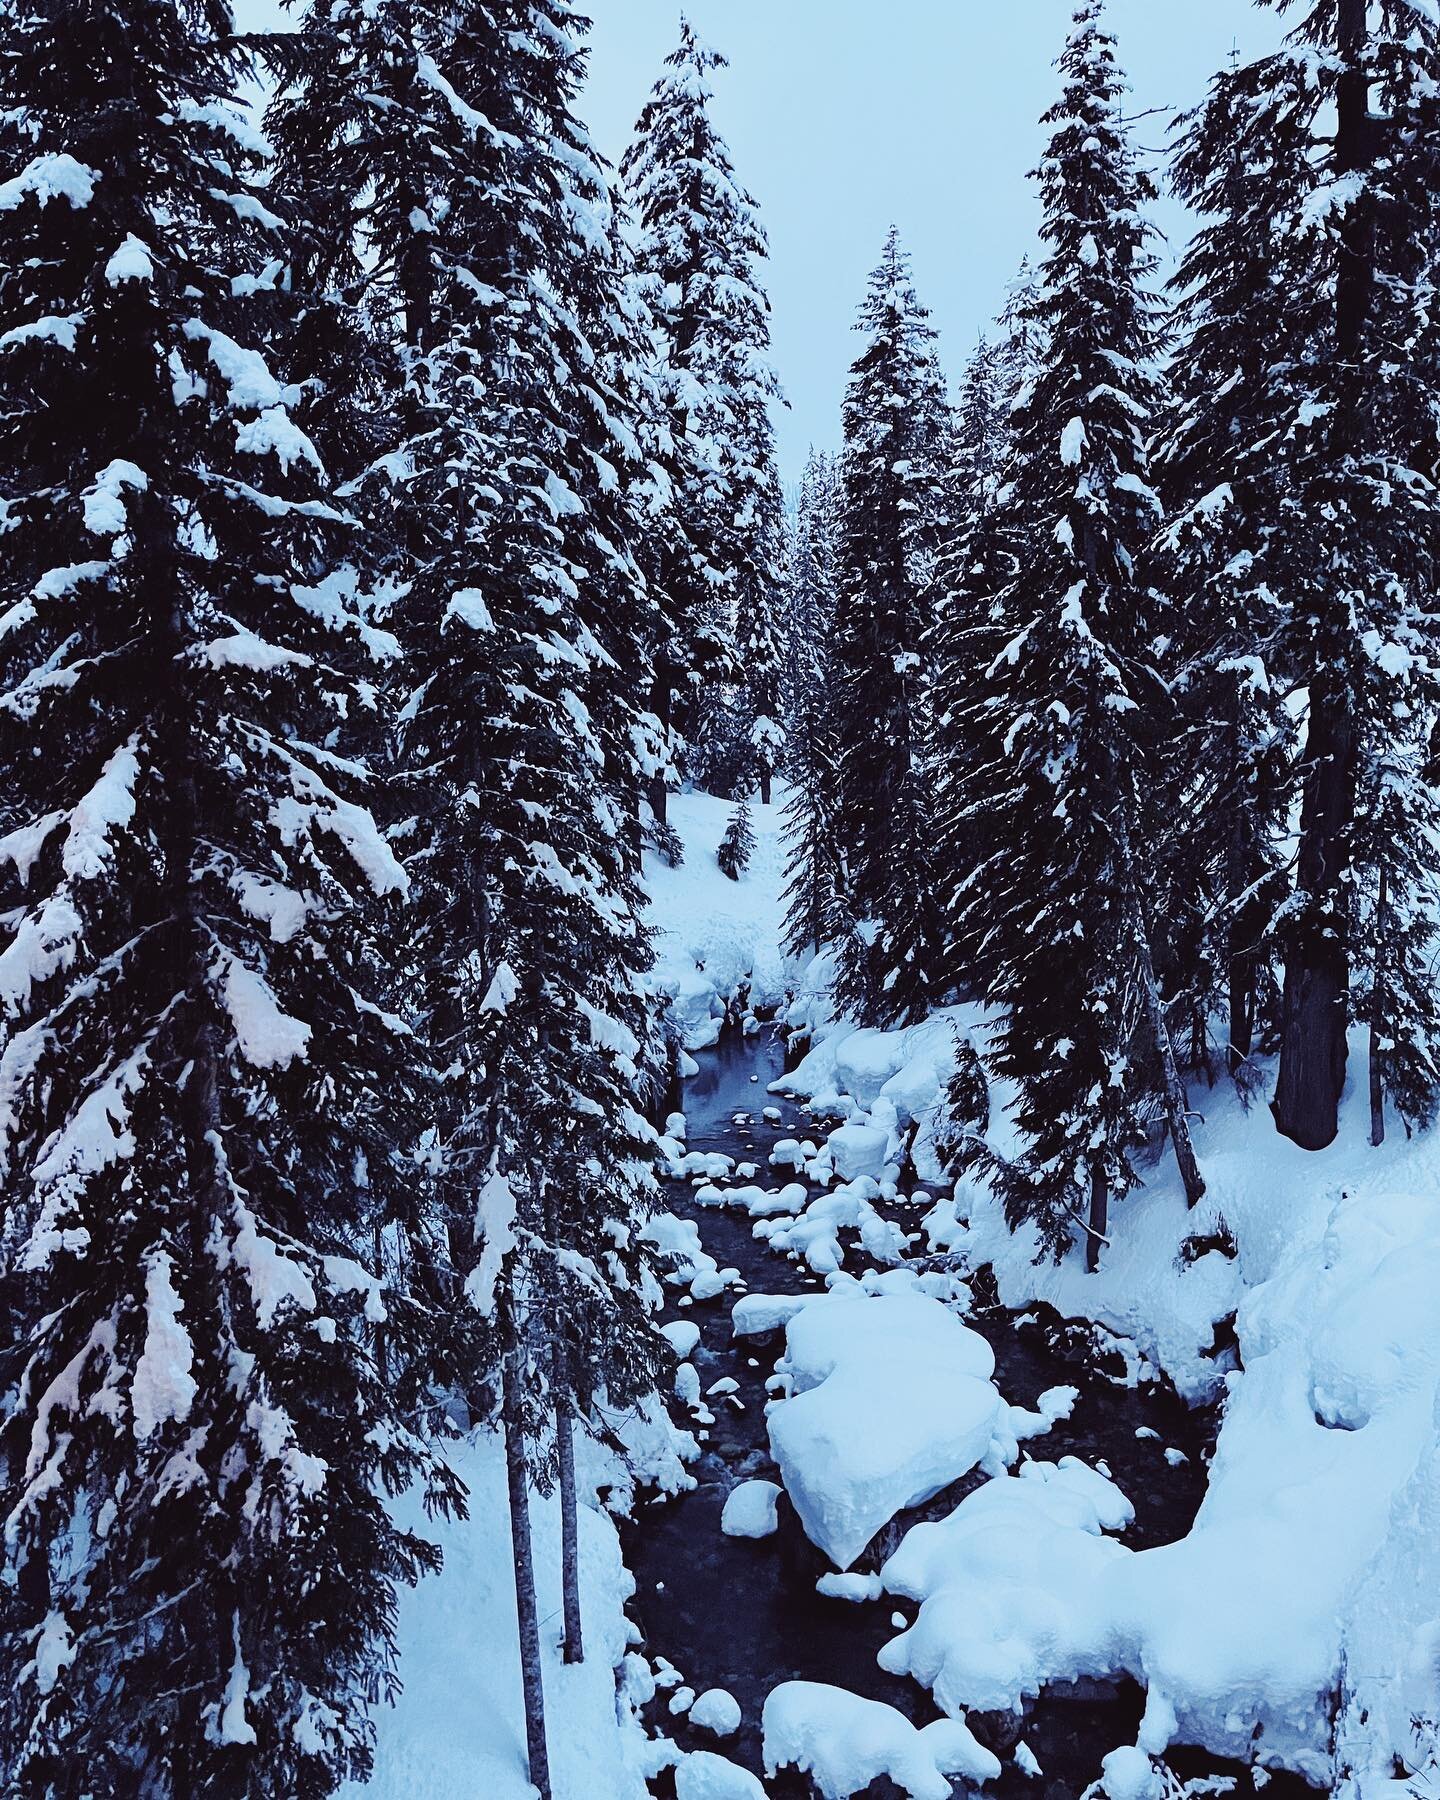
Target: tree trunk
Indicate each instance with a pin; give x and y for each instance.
(1317, 965)
(527, 1612)
(569, 1509)
(1377, 1013)
(1239, 947)
(661, 705)
(1177, 1107)
(1099, 1215)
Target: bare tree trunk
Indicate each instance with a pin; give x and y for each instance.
(569, 1508)
(660, 701)
(1239, 951)
(1099, 1215)
(1377, 1013)
(527, 1612)
(1177, 1106)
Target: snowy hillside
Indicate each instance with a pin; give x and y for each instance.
(714, 936)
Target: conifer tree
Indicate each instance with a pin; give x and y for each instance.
(1227, 767)
(1323, 157)
(738, 843)
(814, 861)
(1059, 908)
(523, 492)
(973, 571)
(700, 245)
(895, 424)
(202, 1099)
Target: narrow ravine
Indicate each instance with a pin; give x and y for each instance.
(744, 1615)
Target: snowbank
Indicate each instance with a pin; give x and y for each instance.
(714, 935)
(891, 1400)
(845, 1742)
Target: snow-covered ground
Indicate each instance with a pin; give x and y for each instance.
(1299, 1622)
(458, 1729)
(713, 935)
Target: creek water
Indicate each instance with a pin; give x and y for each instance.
(743, 1614)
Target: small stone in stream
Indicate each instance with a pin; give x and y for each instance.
(1147, 1431)
(727, 1384)
(773, 1114)
(899, 1621)
(682, 1700)
(740, 1119)
(755, 1078)
(685, 1300)
(1175, 1458)
(750, 1363)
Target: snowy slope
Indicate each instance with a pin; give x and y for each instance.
(713, 934)
(458, 1729)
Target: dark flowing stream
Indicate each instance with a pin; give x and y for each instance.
(743, 1614)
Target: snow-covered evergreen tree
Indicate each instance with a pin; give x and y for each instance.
(1059, 907)
(1307, 476)
(815, 850)
(202, 1100)
(974, 569)
(523, 488)
(895, 430)
(738, 844)
(699, 249)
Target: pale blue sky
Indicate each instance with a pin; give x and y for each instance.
(847, 115)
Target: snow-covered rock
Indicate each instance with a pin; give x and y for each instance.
(703, 1775)
(716, 1711)
(750, 1510)
(1012, 1588)
(845, 1743)
(890, 1402)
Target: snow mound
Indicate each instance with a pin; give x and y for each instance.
(1012, 1587)
(890, 1401)
(750, 1510)
(716, 1711)
(845, 1743)
(705, 1776)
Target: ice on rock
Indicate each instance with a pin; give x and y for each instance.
(891, 1400)
(787, 1153)
(716, 1711)
(844, 1743)
(705, 1776)
(751, 1510)
(1014, 1588)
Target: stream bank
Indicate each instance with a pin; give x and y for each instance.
(743, 1615)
